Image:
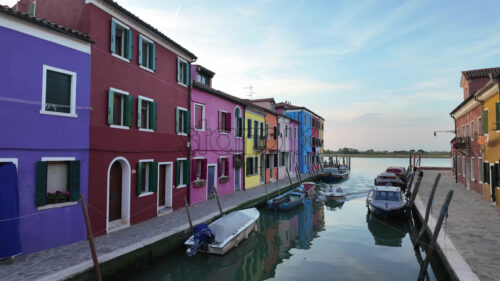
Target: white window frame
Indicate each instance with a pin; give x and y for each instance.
(472, 167)
(151, 42)
(147, 192)
(124, 26)
(181, 172)
(183, 61)
(72, 101)
(124, 93)
(202, 117)
(181, 124)
(139, 105)
(222, 171)
(236, 123)
(57, 205)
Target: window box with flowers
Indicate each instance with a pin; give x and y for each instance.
(57, 182)
(58, 197)
(238, 161)
(199, 183)
(223, 179)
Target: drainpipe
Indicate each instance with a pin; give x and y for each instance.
(455, 153)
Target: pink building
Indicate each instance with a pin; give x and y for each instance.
(216, 139)
(288, 146)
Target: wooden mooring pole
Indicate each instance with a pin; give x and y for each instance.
(218, 203)
(415, 190)
(428, 209)
(91, 239)
(298, 173)
(289, 178)
(430, 249)
(189, 214)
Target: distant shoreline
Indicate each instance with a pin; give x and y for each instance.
(361, 155)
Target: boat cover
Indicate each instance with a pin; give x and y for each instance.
(10, 244)
(202, 237)
(229, 225)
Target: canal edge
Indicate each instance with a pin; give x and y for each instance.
(111, 262)
(454, 261)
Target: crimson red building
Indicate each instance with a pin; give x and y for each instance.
(139, 122)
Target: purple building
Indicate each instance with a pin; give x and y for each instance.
(216, 139)
(45, 108)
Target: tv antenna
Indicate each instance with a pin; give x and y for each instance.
(250, 90)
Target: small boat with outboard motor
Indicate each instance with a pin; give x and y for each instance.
(333, 192)
(220, 236)
(390, 179)
(334, 174)
(287, 200)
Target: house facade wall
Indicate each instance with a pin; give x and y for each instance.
(492, 148)
(253, 180)
(29, 135)
(211, 144)
(272, 147)
(305, 131)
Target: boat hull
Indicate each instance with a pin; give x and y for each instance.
(330, 178)
(388, 213)
(284, 206)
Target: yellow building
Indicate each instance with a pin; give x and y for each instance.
(255, 147)
(490, 141)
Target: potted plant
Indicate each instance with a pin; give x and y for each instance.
(199, 183)
(238, 163)
(57, 197)
(223, 179)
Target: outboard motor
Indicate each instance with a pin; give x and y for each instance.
(203, 236)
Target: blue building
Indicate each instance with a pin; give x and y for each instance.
(308, 149)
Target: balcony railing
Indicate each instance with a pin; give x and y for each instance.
(259, 143)
(461, 142)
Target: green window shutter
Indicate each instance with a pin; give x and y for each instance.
(129, 43)
(140, 51)
(177, 117)
(129, 102)
(32, 8)
(153, 176)
(177, 172)
(186, 122)
(74, 180)
(485, 121)
(178, 70)
(110, 106)
(139, 177)
(41, 184)
(186, 77)
(153, 57)
(113, 35)
(497, 113)
(152, 116)
(186, 171)
(139, 100)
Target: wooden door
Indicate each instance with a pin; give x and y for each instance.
(115, 192)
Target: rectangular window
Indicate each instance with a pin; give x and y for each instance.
(199, 117)
(147, 53)
(261, 130)
(472, 166)
(199, 169)
(146, 113)
(121, 40)
(256, 165)
(57, 181)
(286, 131)
(256, 129)
(249, 166)
(147, 177)
(181, 121)
(275, 160)
(480, 169)
(467, 130)
(32, 8)
(275, 132)
(58, 91)
(203, 79)
(119, 108)
(295, 132)
(181, 172)
(267, 131)
(267, 161)
(223, 169)
(479, 126)
(249, 128)
(282, 158)
(224, 121)
(182, 72)
(472, 130)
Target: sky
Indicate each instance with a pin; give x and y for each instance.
(383, 74)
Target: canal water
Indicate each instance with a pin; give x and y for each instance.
(319, 241)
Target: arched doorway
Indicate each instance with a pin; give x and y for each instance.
(118, 194)
(115, 191)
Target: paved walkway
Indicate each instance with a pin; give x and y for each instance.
(70, 260)
(470, 239)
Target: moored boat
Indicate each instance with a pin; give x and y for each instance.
(399, 171)
(227, 232)
(387, 202)
(390, 179)
(288, 200)
(332, 175)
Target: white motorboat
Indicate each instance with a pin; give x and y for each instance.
(334, 193)
(389, 179)
(229, 231)
(387, 201)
